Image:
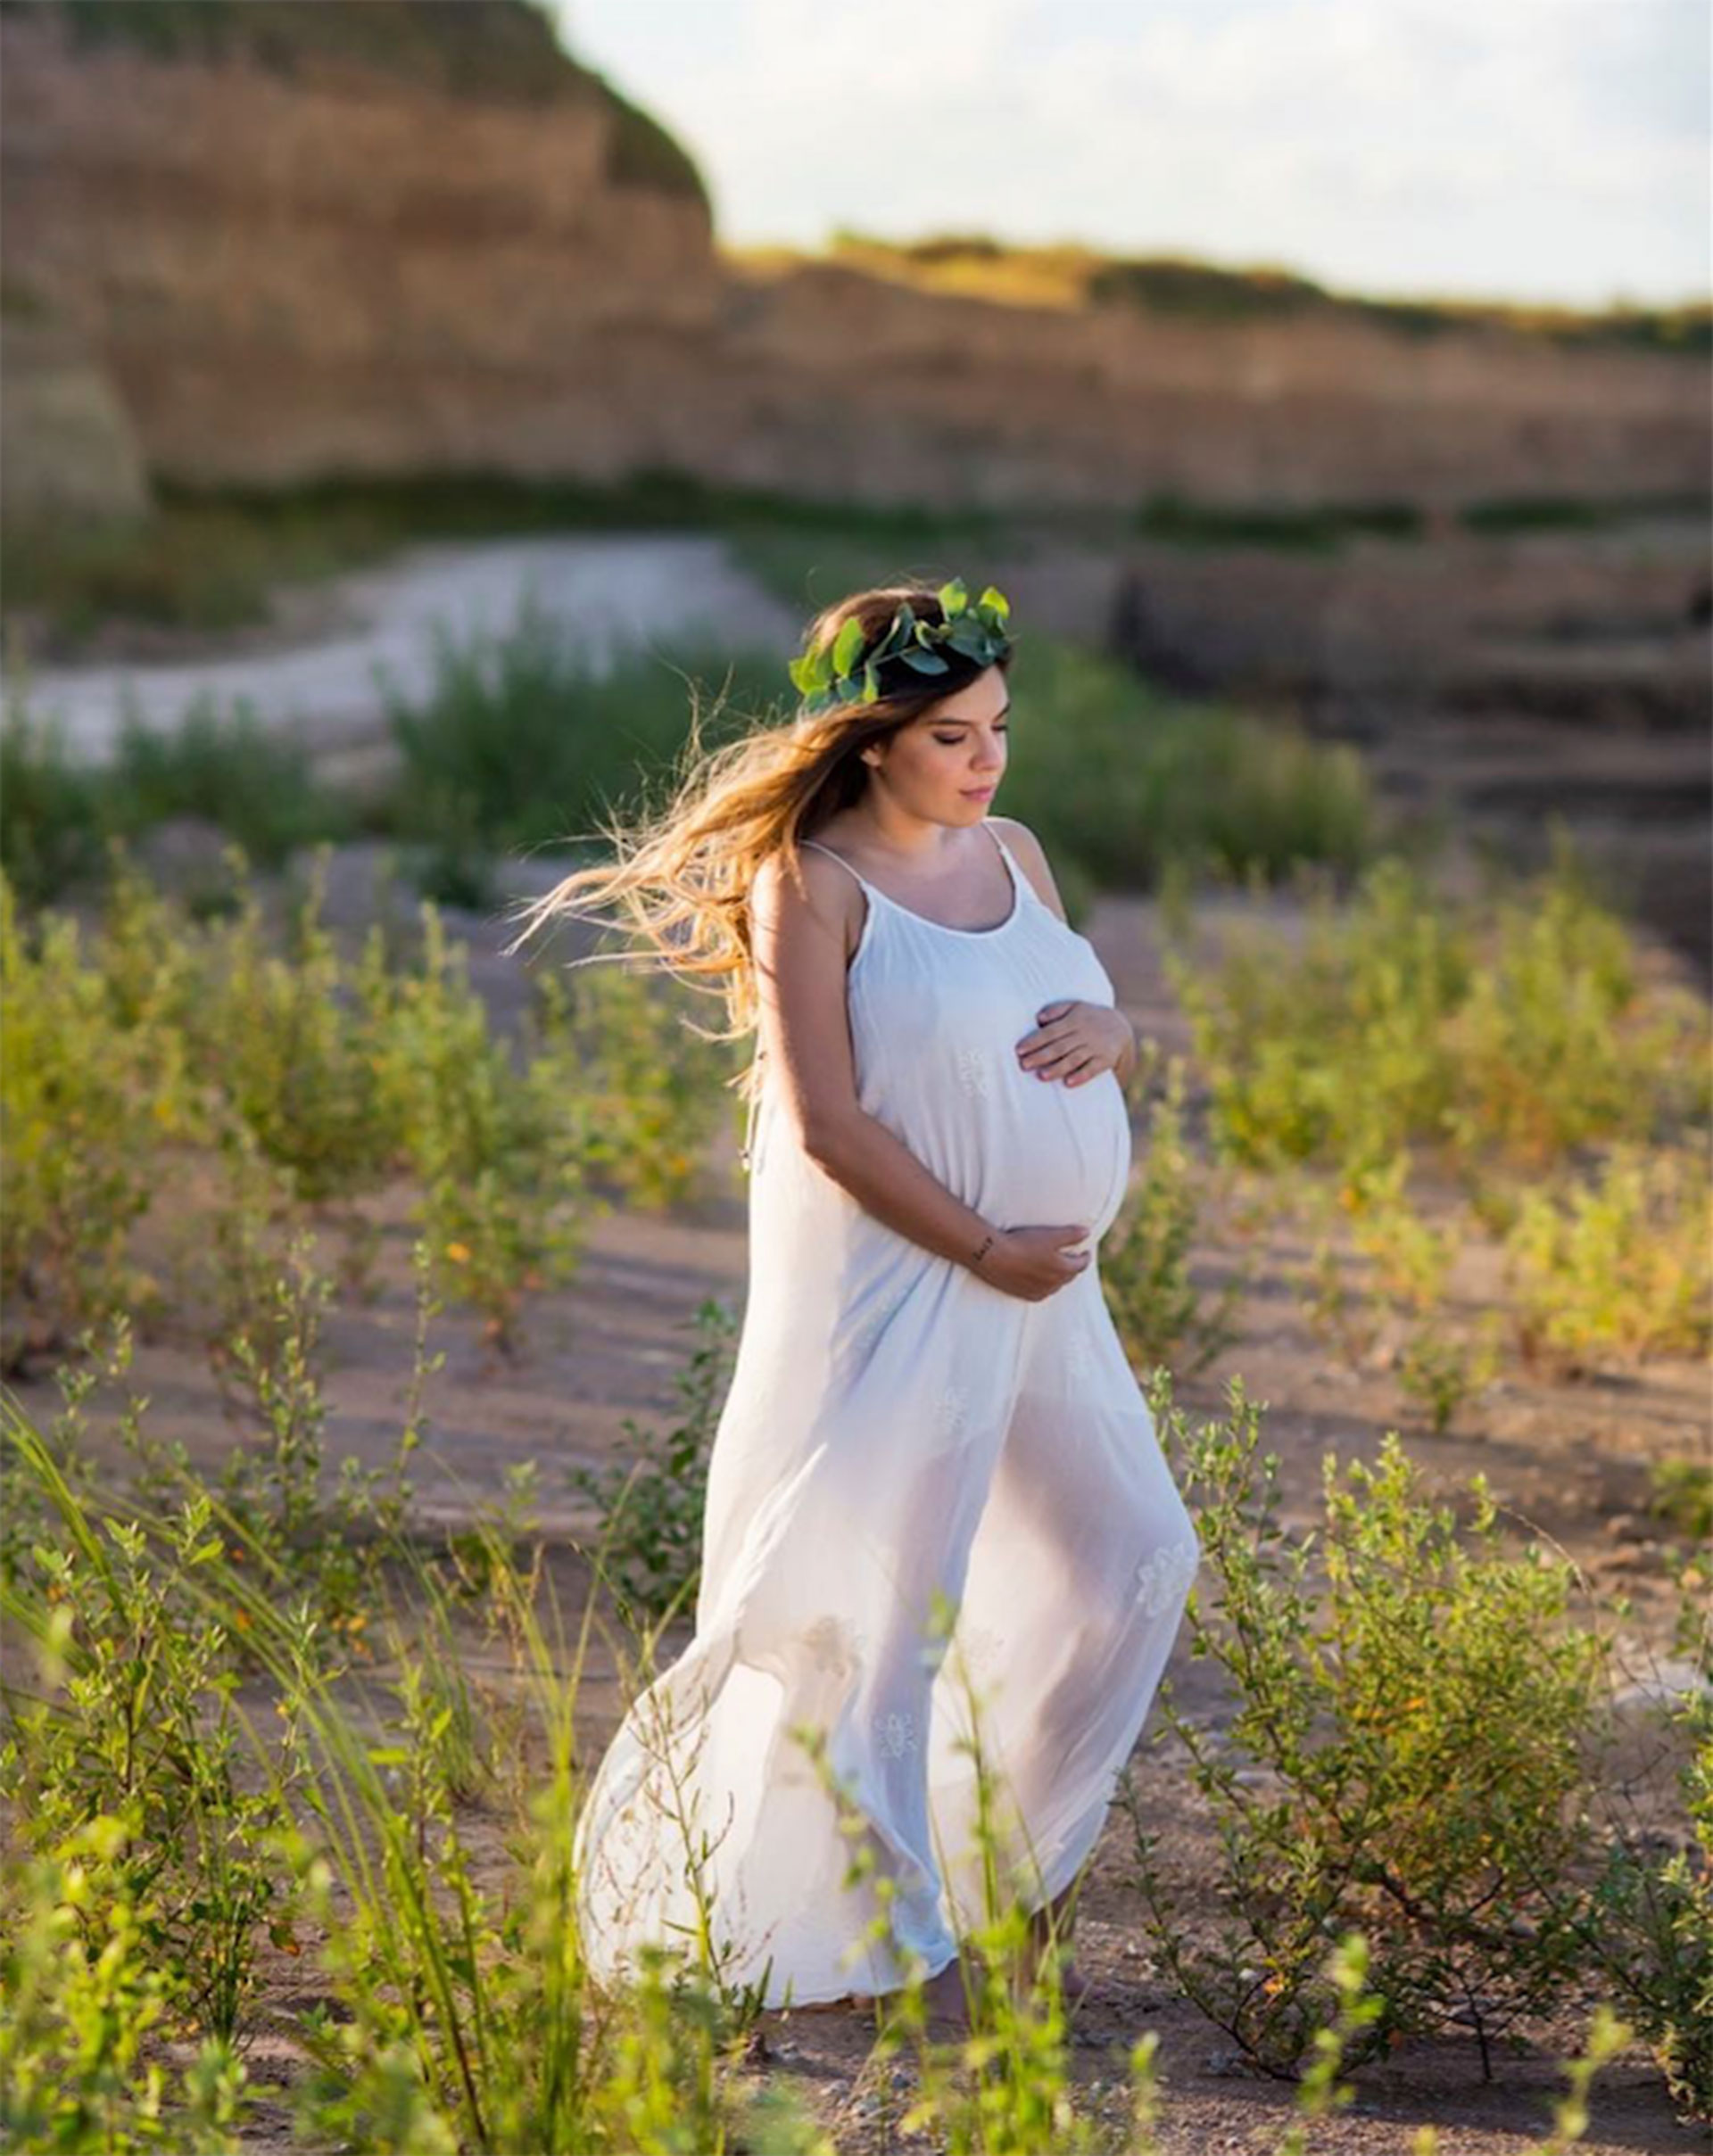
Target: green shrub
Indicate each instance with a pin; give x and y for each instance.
(1620, 1264)
(1408, 1016)
(499, 1154)
(137, 1717)
(1406, 1755)
(81, 2005)
(525, 740)
(50, 809)
(651, 1510)
(1682, 1494)
(233, 771)
(1155, 1304)
(1646, 1921)
(654, 1089)
(308, 1078)
(89, 1103)
(279, 1034)
(1121, 781)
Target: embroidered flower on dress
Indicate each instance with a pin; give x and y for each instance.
(895, 1733)
(952, 1411)
(1166, 1575)
(973, 1071)
(834, 1643)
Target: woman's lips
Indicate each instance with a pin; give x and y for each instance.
(979, 793)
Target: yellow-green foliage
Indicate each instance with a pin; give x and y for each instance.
(652, 1087)
(1556, 1043)
(1410, 1016)
(1161, 1312)
(338, 1076)
(1067, 275)
(497, 1153)
(1412, 1713)
(90, 1097)
(274, 1033)
(1624, 1262)
(1412, 1258)
(85, 2004)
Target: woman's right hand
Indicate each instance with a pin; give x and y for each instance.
(1033, 1262)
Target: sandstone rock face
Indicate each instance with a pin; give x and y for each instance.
(340, 271)
(888, 392)
(287, 278)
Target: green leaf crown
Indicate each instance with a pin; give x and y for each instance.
(843, 673)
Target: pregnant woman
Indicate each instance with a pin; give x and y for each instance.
(929, 1396)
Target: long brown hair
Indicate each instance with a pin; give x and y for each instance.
(683, 875)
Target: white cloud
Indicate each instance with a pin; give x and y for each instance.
(1541, 148)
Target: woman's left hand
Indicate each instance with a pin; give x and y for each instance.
(1076, 1041)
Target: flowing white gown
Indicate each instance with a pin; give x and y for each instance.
(897, 1424)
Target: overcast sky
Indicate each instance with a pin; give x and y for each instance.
(1520, 148)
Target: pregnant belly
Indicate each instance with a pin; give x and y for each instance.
(1024, 1151)
(1057, 1153)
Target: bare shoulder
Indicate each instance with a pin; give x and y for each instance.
(824, 893)
(1031, 858)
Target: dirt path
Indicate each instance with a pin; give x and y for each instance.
(316, 674)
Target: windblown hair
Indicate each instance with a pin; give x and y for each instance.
(682, 876)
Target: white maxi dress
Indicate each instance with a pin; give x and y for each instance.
(897, 1424)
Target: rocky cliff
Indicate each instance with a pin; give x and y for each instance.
(292, 259)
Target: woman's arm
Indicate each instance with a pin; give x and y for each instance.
(802, 940)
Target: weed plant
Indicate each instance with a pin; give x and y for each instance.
(1159, 1309)
(651, 1512)
(1410, 1753)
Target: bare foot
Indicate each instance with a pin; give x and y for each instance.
(1073, 1984)
(945, 2008)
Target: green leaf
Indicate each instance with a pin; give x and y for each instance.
(847, 646)
(995, 598)
(954, 596)
(926, 662)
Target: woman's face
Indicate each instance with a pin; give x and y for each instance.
(945, 764)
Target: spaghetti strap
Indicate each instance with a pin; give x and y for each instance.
(1005, 855)
(839, 858)
(1021, 890)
